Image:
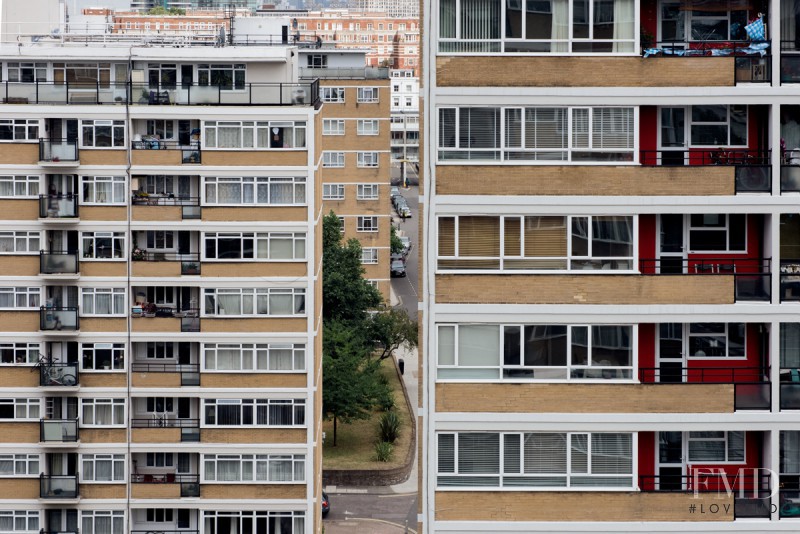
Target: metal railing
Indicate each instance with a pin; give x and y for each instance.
(61, 262)
(64, 318)
(147, 367)
(790, 280)
(137, 93)
(190, 262)
(58, 374)
(190, 484)
(751, 494)
(55, 150)
(160, 531)
(752, 174)
(58, 430)
(346, 73)
(790, 68)
(711, 48)
(58, 206)
(164, 200)
(58, 486)
(701, 375)
(191, 323)
(190, 153)
(753, 69)
(751, 275)
(164, 422)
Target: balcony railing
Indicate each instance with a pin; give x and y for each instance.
(58, 206)
(58, 374)
(753, 69)
(190, 373)
(43, 531)
(346, 73)
(190, 484)
(750, 391)
(753, 170)
(751, 275)
(58, 430)
(190, 262)
(65, 318)
(189, 153)
(58, 262)
(751, 493)
(161, 531)
(58, 486)
(790, 388)
(709, 48)
(790, 66)
(190, 428)
(240, 94)
(790, 280)
(57, 150)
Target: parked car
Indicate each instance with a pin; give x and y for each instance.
(406, 243)
(404, 211)
(326, 504)
(398, 256)
(394, 192)
(399, 200)
(398, 268)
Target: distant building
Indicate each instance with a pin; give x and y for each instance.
(393, 8)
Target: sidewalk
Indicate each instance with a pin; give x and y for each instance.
(364, 526)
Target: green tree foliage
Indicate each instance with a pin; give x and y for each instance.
(166, 11)
(394, 242)
(391, 328)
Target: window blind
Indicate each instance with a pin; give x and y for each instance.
(447, 236)
(479, 236)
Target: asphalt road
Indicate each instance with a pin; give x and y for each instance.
(406, 288)
(394, 509)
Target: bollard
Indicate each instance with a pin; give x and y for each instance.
(401, 364)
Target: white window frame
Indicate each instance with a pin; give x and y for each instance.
(368, 127)
(20, 242)
(254, 468)
(21, 186)
(116, 351)
(24, 298)
(256, 135)
(367, 223)
(333, 127)
(369, 255)
(332, 95)
(25, 409)
(254, 358)
(115, 127)
(726, 123)
(296, 407)
(332, 191)
(116, 518)
(91, 404)
(725, 337)
(89, 301)
(89, 468)
(267, 242)
(37, 72)
(341, 223)
(726, 228)
(29, 519)
(332, 160)
(252, 189)
(367, 191)
(115, 185)
(252, 301)
(236, 518)
(89, 246)
(20, 353)
(370, 159)
(22, 465)
(20, 130)
(692, 437)
(368, 95)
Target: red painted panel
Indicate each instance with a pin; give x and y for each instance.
(753, 453)
(648, 129)
(647, 458)
(648, 239)
(647, 347)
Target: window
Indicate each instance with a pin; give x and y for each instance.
(271, 357)
(317, 61)
(19, 242)
(332, 95)
(367, 224)
(19, 520)
(102, 356)
(264, 191)
(162, 75)
(717, 233)
(27, 73)
(165, 349)
(162, 129)
(332, 191)
(254, 412)
(20, 409)
(247, 521)
(160, 459)
(249, 245)
(160, 240)
(563, 26)
(249, 134)
(716, 446)
(19, 353)
(102, 301)
(159, 515)
(102, 412)
(718, 125)
(102, 134)
(367, 95)
(103, 245)
(254, 467)
(19, 129)
(341, 224)
(259, 301)
(20, 297)
(367, 192)
(596, 243)
(333, 127)
(367, 159)
(367, 127)
(329, 160)
(539, 460)
(19, 465)
(102, 521)
(534, 352)
(369, 255)
(679, 23)
(225, 76)
(102, 467)
(19, 186)
(160, 405)
(104, 190)
(536, 134)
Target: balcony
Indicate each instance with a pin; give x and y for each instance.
(241, 94)
(189, 263)
(346, 73)
(58, 486)
(790, 280)
(58, 262)
(58, 374)
(58, 430)
(790, 389)
(751, 391)
(752, 168)
(189, 428)
(189, 373)
(188, 485)
(58, 207)
(165, 207)
(58, 152)
(168, 152)
(59, 319)
(751, 275)
(751, 493)
(790, 63)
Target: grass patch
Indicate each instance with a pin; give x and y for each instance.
(355, 447)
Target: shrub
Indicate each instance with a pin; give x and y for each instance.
(389, 427)
(383, 451)
(386, 401)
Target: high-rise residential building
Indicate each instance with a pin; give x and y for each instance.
(393, 8)
(405, 116)
(610, 298)
(160, 357)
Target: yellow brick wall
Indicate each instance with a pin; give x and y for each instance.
(19, 153)
(260, 158)
(298, 214)
(252, 491)
(252, 380)
(19, 265)
(19, 432)
(253, 435)
(19, 210)
(252, 325)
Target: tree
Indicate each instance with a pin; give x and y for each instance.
(390, 328)
(396, 246)
(160, 10)
(346, 294)
(350, 383)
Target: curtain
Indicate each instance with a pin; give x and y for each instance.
(281, 193)
(228, 359)
(479, 345)
(280, 304)
(280, 469)
(229, 193)
(262, 193)
(560, 26)
(102, 470)
(790, 451)
(229, 304)
(228, 470)
(102, 414)
(623, 26)
(790, 345)
(279, 359)
(229, 137)
(280, 414)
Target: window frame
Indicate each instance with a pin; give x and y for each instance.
(726, 228)
(727, 123)
(28, 517)
(368, 127)
(333, 159)
(725, 439)
(367, 223)
(89, 301)
(296, 407)
(332, 127)
(250, 352)
(258, 241)
(256, 135)
(368, 95)
(332, 191)
(369, 255)
(17, 352)
(117, 461)
(249, 300)
(369, 159)
(89, 246)
(116, 357)
(116, 184)
(332, 95)
(254, 463)
(255, 187)
(22, 465)
(117, 133)
(23, 242)
(32, 297)
(32, 408)
(367, 191)
(117, 421)
(20, 130)
(29, 182)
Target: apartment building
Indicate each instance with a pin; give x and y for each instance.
(610, 301)
(405, 116)
(160, 358)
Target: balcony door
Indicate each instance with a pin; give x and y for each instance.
(670, 463)
(672, 244)
(672, 137)
(671, 356)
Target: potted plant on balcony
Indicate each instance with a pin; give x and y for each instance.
(140, 197)
(138, 254)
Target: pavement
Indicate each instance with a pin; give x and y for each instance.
(407, 488)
